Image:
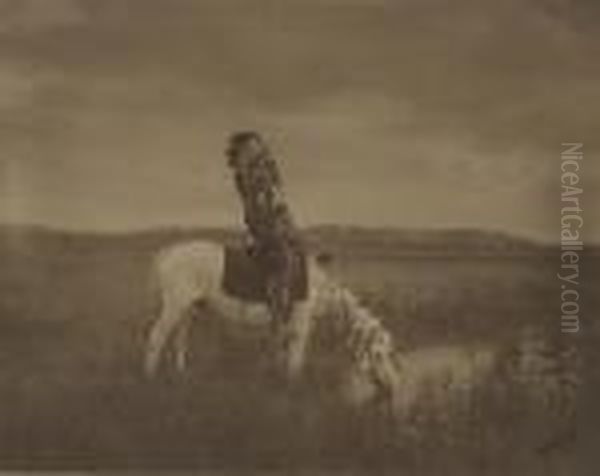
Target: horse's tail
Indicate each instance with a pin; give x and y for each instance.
(153, 312)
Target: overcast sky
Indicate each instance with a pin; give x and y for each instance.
(408, 113)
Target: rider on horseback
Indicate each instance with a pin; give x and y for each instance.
(274, 239)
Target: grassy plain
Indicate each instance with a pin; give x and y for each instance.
(74, 310)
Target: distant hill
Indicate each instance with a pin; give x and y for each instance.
(336, 239)
(402, 242)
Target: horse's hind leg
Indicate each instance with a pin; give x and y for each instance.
(181, 344)
(159, 335)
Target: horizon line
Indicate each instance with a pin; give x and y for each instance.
(198, 228)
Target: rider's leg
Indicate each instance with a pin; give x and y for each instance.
(279, 285)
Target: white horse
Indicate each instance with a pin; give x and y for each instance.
(190, 275)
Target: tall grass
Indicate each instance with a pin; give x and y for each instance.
(73, 316)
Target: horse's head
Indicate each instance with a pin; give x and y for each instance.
(372, 379)
(355, 343)
(357, 390)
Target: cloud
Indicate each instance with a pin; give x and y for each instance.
(504, 74)
(381, 100)
(16, 87)
(32, 16)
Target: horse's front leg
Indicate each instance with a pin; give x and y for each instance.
(295, 336)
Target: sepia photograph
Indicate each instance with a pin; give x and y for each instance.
(300, 237)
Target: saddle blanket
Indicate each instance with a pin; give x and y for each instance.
(245, 279)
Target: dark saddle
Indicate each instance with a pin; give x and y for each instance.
(245, 277)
